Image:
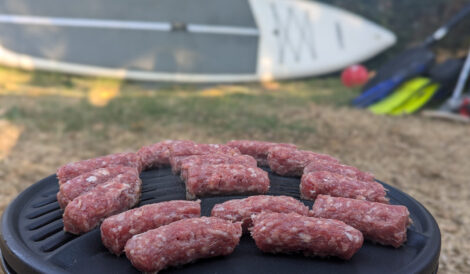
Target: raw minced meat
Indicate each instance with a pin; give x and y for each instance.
(157, 155)
(241, 210)
(88, 210)
(215, 159)
(287, 161)
(225, 179)
(324, 182)
(71, 170)
(182, 242)
(257, 149)
(345, 170)
(87, 181)
(381, 223)
(288, 233)
(117, 229)
(180, 151)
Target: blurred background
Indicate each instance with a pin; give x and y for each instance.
(50, 117)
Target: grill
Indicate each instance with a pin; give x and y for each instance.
(33, 240)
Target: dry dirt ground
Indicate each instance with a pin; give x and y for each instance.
(428, 159)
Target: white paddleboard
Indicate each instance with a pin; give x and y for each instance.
(186, 40)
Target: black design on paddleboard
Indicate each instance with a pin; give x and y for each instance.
(339, 35)
(293, 22)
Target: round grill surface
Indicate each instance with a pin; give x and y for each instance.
(33, 240)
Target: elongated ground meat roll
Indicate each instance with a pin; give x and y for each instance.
(381, 223)
(71, 170)
(180, 151)
(117, 229)
(287, 233)
(348, 171)
(182, 242)
(324, 182)
(258, 149)
(225, 179)
(157, 155)
(241, 210)
(87, 181)
(88, 210)
(287, 161)
(215, 159)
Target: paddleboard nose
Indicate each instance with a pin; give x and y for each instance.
(381, 37)
(385, 37)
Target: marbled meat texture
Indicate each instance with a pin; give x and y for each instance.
(158, 154)
(87, 181)
(257, 149)
(225, 179)
(345, 170)
(88, 210)
(241, 210)
(287, 161)
(117, 229)
(381, 223)
(337, 185)
(182, 242)
(289, 233)
(182, 150)
(214, 159)
(71, 170)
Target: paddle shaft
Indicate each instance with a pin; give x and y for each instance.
(454, 100)
(443, 30)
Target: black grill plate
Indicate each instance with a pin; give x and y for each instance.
(33, 240)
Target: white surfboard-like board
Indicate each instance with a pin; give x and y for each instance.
(186, 40)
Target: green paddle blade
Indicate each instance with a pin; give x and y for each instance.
(400, 96)
(417, 101)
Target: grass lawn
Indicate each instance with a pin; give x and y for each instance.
(49, 119)
(64, 103)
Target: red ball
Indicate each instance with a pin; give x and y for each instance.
(355, 75)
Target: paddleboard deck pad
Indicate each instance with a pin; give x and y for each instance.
(186, 41)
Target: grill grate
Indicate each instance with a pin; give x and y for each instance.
(34, 220)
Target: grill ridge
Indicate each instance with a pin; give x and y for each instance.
(48, 230)
(57, 240)
(49, 193)
(45, 221)
(43, 211)
(45, 202)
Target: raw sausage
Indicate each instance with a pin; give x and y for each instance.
(324, 182)
(287, 161)
(156, 155)
(345, 170)
(180, 151)
(257, 149)
(72, 170)
(88, 210)
(117, 229)
(225, 179)
(182, 242)
(287, 233)
(241, 210)
(87, 181)
(381, 223)
(215, 159)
